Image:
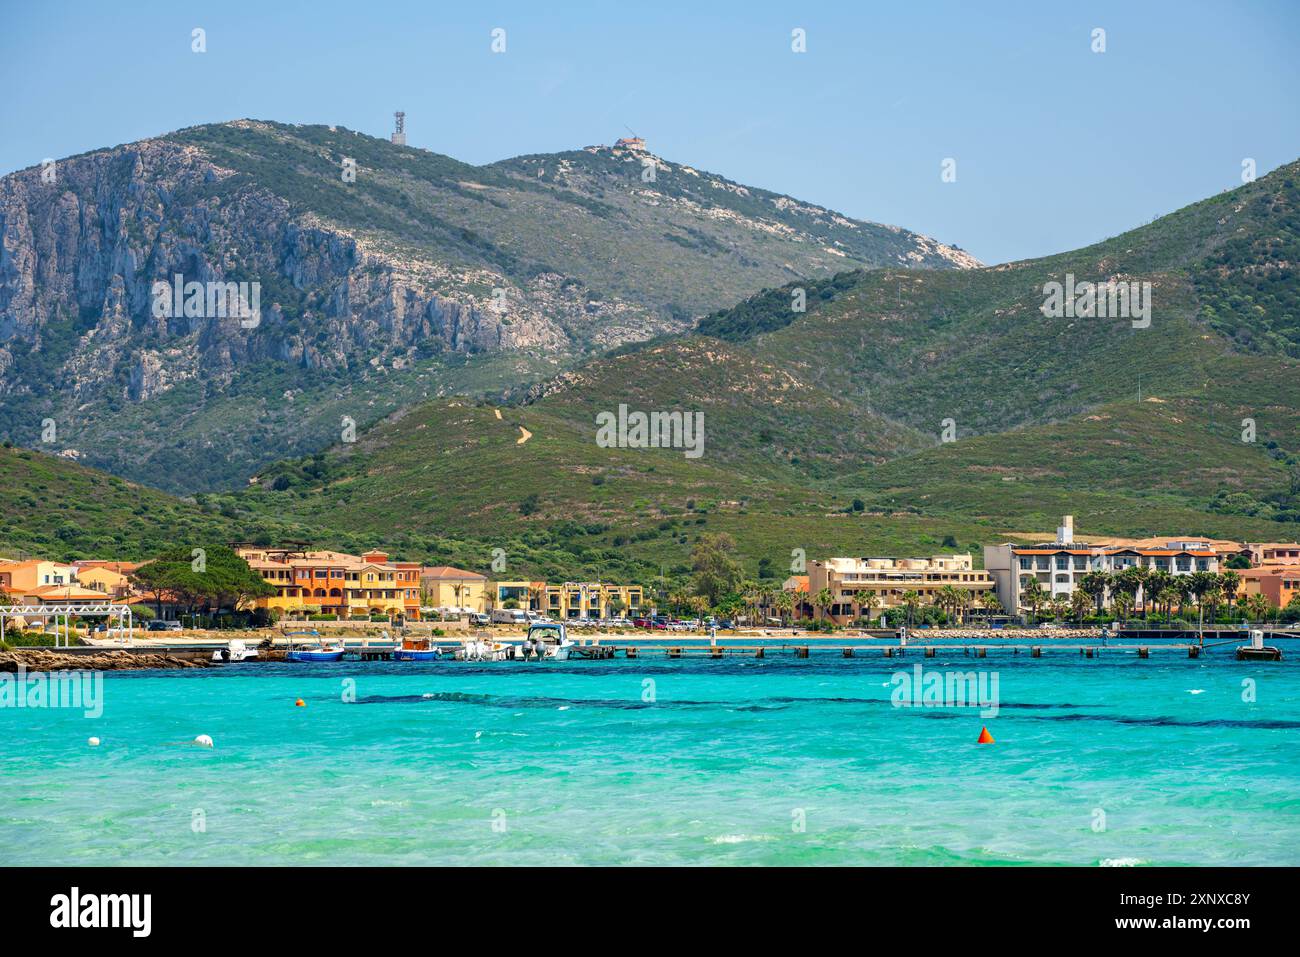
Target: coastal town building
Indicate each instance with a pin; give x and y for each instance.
(1272, 553)
(1279, 584)
(58, 595)
(1060, 566)
(336, 583)
(856, 584)
(20, 577)
(446, 589)
(112, 578)
(570, 601)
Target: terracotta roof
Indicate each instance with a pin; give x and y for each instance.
(1266, 571)
(122, 568)
(1167, 552)
(1052, 551)
(449, 571)
(800, 582)
(63, 591)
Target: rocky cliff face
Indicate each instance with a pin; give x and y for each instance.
(79, 256)
(362, 266)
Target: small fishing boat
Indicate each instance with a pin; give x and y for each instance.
(416, 649)
(314, 650)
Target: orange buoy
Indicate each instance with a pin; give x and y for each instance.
(985, 737)
(300, 703)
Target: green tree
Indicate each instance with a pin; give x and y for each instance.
(784, 602)
(1080, 603)
(911, 601)
(716, 570)
(1032, 596)
(823, 600)
(208, 577)
(1095, 585)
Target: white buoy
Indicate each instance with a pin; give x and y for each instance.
(93, 742)
(203, 741)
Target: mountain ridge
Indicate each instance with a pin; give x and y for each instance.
(400, 283)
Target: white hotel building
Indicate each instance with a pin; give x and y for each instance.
(1060, 566)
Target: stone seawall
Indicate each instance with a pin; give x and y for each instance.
(37, 659)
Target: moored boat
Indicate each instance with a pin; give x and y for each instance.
(416, 649)
(550, 640)
(236, 650)
(315, 650)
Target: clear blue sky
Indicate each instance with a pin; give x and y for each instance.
(1056, 146)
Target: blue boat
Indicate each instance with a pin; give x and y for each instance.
(316, 650)
(416, 649)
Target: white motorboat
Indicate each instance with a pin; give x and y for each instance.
(551, 640)
(236, 650)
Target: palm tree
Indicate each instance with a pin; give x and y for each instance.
(1152, 589)
(1230, 582)
(823, 599)
(1259, 607)
(1080, 602)
(911, 601)
(868, 601)
(946, 600)
(1095, 584)
(1128, 582)
(784, 602)
(1183, 585)
(1202, 585)
(752, 595)
(1168, 595)
(1211, 596)
(1032, 596)
(991, 602)
(1122, 603)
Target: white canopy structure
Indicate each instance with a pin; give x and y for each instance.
(65, 612)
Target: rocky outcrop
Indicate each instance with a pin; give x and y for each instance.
(79, 257)
(37, 659)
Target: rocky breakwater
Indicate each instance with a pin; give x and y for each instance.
(39, 659)
(1009, 635)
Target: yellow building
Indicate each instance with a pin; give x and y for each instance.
(103, 578)
(448, 589)
(887, 580)
(19, 578)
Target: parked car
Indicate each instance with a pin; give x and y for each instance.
(159, 625)
(480, 618)
(642, 623)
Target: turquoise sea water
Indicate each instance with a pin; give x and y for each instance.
(567, 763)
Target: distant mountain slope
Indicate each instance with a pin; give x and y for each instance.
(804, 412)
(827, 430)
(386, 274)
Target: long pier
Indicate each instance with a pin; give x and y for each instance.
(867, 644)
(879, 651)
